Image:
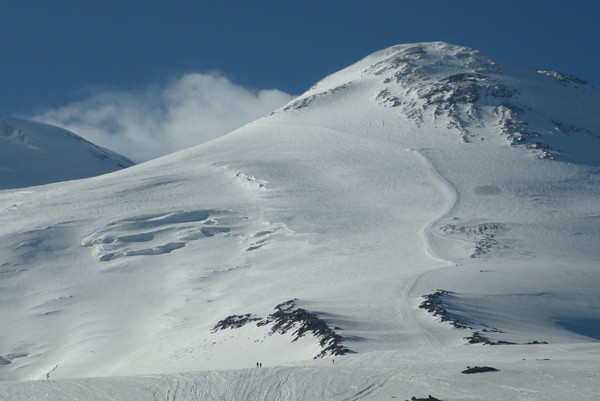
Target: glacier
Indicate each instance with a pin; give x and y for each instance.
(422, 169)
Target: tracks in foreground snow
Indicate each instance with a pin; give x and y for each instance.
(526, 372)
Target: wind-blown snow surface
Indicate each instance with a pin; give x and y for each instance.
(33, 153)
(422, 167)
(565, 372)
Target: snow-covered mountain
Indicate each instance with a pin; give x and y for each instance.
(398, 215)
(33, 153)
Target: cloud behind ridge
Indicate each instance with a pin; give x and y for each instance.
(161, 119)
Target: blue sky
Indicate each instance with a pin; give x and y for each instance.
(60, 52)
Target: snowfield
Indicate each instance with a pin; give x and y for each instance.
(33, 153)
(565, 372)
(422, 169)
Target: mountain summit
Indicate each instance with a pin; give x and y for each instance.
(460, 89)
(33, 153)
(421, 200)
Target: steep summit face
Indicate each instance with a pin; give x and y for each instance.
(470, 94)
(424, 198)
(33, 153)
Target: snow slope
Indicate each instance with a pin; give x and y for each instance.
(420, 168)
(565, 372)
(33, 153)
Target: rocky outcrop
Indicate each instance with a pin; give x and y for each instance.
(288, 318)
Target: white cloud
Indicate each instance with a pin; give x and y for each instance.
(161, 119)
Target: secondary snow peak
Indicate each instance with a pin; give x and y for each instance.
(33, 153)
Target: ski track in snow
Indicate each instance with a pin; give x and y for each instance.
(539, 372)
(453, 199)
(407, 310)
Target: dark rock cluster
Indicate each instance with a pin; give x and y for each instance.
(465, 98)
(517, 132)
(483, 235)
(565, 79)
(479, 369)
(428, 398)
(478, 338)
(456, 96)
(234, 322)
(434, 304)
(289, 318)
